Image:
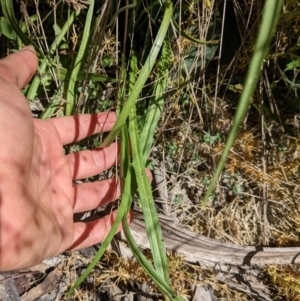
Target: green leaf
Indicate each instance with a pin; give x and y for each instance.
(292, 65)
(6, 29)
(57, 30)
(71, 91)
(63, 75)
(143, 76)
(269, 21)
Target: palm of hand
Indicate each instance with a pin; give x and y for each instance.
(38, 198)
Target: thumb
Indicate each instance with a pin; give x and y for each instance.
(18, 68)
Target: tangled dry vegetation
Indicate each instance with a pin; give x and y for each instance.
(256, 201)
(116, 276)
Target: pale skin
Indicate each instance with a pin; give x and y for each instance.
(37, 194)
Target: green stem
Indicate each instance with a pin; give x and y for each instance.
(270, 17)
(71, 99)
(143, 75)
(32, 91)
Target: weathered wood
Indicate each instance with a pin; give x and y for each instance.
(210, 252)
(44, 287)
(8, 290)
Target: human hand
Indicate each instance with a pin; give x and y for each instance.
(37, 196)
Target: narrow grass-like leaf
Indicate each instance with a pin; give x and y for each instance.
(156, 103)
(145, 194)
(270, 17)
(144, 262)
(122, 213)
(144, 189)
(160, 274)
(9, 14)
(51, 109)
(143, 75)
(127, 177)
(31, 94)
(70, 97)
(62, 74)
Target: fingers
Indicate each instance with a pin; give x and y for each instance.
(90, 233)
(89, 196)
(18, 68)
(75, 128)
(88, 163)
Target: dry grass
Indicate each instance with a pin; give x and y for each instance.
(114, 271)
(286, 279)
(260, 175)
(256, 201)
